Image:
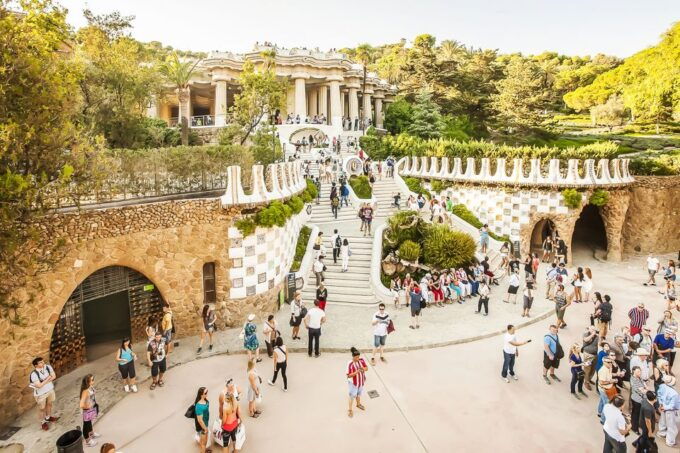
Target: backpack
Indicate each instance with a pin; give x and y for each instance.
(49, 369)
(338, 242)
(334, 201)
(559, 352)
(605, 312)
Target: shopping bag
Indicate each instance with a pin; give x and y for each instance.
(217, 433)
(240, 436)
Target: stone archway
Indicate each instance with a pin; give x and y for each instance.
(563, 225)
(318, 135)
(110, 304)
(542, 229)
(589, 235)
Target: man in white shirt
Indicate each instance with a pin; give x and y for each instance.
(652, 268)
(41, 380)
(615, 427)
(318, 268)
(639, 359)
(315, 317)
(336, 243)
(381, 319)
(510, 351)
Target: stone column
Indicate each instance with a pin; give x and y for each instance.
(367, 113)
(300, 95)
(336, 113)
(378, 113)
(313, 99)
(343, 103)
(353, 103)
(323, 101)
(220, 102)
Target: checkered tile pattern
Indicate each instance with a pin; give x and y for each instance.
(264, 257)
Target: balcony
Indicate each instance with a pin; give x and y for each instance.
(203, 121)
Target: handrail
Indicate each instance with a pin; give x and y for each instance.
(307, 259)
(382, 293)
(286, 180)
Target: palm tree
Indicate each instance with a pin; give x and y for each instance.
(179, 74)
(364, 56)
(450, 50)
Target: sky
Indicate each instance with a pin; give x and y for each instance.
(574, 27)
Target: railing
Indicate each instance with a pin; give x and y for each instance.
(585, 173)
(202, 120)
(285, 179)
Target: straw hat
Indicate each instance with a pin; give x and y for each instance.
(641, 351)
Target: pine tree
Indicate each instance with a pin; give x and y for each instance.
(426, 118)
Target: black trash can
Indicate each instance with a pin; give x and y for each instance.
(70, 442)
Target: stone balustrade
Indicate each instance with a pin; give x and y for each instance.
(586, 173)
(285, 178)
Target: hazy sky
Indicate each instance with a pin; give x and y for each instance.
(574, 27)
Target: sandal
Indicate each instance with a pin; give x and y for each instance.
(350, 414)
(161, 383)
(361, 406)
(383, 359)
(153, 386)
(372, 361)
(255, 415)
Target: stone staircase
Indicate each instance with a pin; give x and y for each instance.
(346, 288)
(321, 213)
(383, 191)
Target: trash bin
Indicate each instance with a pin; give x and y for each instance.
(70, 442)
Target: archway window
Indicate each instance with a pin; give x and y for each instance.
(209, 293)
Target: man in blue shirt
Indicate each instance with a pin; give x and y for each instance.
(550, 355)
(663, 344)
(669, 404)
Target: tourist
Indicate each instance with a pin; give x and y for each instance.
(356, 377)
(335, 205)
(647, 422)
(254, 396)
(644, 339)
(126, 365)
(202, 418)
(550, 281)
(561, 304)
(603, 313)
(640, 359)
(510, 352)
(250, 342)
(513, 265)
(660, 371)
(344, 195)
(577, 364)
(484, 238)
(230, 418)
(667, 322)
(529, 267)
(552, 353)
(229, 388)
(336, 243)
(396, 201)
(561, 252)
(420, 200)
(313, 321)
(590, 339)
(513, 286)
(108, 448)
(167, 326)
(318, 244)
(669, 295)
(297, 313)
(547, 249)
(663, 344)
(652, 268)
(345, 254)
(270, 330)
(528, 298)
(504, 252)
(638, 318)
(208, 318)
(669, 404)
(587, 287)
(319, 269)
(605, 385)
(89, 408)
(155, 356)
(416, 299)
(381, 321)
(151, 328)
(322, 296)
(577, 283)
(41, 380)
(535, 263)
(367, 216)
(483, 292)
(280, 363)
(615, 426)
(637, 393)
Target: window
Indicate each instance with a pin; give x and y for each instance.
(209, 294)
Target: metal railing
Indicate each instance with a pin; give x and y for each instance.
(203, 121)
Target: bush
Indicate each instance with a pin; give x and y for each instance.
(300, 248)
(296, 204)
(416, 185)
(311, 189)
(246, 226)
(409, 251)
(404, 226)
(657, 164)
(464, 213)
(275, 214)
(438, 186)
(306, 197)
(572, 198)
(445, 248)
(361, 186)
(599, 197)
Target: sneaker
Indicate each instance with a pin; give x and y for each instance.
(270, 382)
(96, 435)
(486, 314)
(134, 389)
(126, 388)
(583, 393)
(515, 377)
(547, 381)
(555, 378)
(91, 443)
(285, 389)
(52, 419)
(45, 425)
(476, 311)
(507, 381)
(199, 350)
(575, 396)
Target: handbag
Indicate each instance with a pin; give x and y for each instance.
(390, 327)
(190, 412)
(217, 433)
(292, 321)
(90, 414)
(240, 436)
(611, 392)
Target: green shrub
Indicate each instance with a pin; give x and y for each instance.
(306, 197)
(296, 204)
(445, 248)
(361, 186)
(464, 213)
(404, 226)
(409, 251)
(275, 214)
(416, 185)
(300, 248)
(438, 186)
(656, 163)
(599, 197)
(572, 198)
(246, 226)
(311, 189)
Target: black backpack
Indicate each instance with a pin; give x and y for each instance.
(559, 352)
(606, 312)
(338, 242)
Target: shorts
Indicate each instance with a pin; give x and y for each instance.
(251, 394)
(157, 367)
(513, 289)
(127, 370)
(528, 301)
(379, 340)
(45, 398)
(559, 312)
(168, 336)
(547, 363)
(355, 391)
(209, 329)
(651, 272)
(229, 435)
(415, 312)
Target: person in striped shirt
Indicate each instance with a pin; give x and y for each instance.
(638, 318)
(356, 377)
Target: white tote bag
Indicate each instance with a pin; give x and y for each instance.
(217, 433)
(240, 436)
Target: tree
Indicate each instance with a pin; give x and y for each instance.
(266, 147)
(398, 116)
(522, 94)
(40, 144)
(262, 93)
(426, 119)
(610, 114)
(179, 74)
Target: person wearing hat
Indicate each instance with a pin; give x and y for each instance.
(644, 339)
(638, 318)
(640, 359)
(669, 404)
(664, 344)
(637, 394)
(605, 385)
(590, 343)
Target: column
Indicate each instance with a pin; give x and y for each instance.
(367, 106)
(323, 101)
(378, 113)
(313, 98)
(300, 98)
(220, 102)
(353, 103)
(343, 104)
(336, 113)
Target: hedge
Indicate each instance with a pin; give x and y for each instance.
(361, 186)
(464, 213)
(300, 248)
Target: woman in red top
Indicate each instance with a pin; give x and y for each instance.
(356, 377)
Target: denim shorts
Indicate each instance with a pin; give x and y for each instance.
(379, 340)
(355, 391)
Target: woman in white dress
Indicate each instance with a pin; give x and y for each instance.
(587, 287)
(344, 254)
